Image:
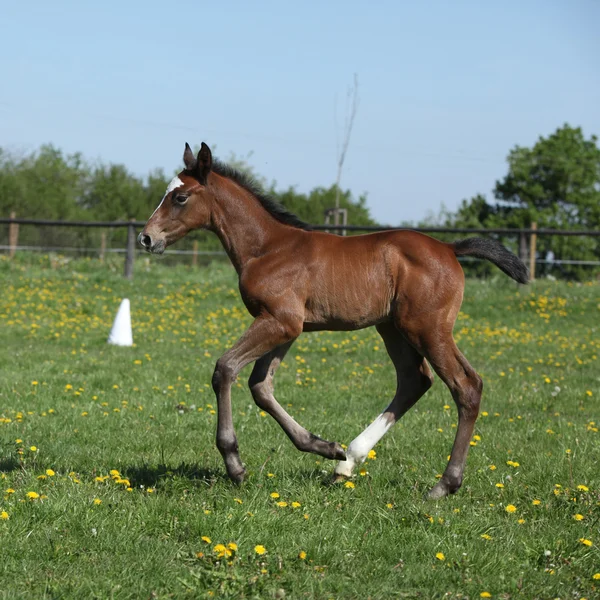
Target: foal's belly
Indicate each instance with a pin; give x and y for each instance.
(346, 308)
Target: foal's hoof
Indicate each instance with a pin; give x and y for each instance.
(338, 478)
(338, 451)
(441, 489)
(237, 476)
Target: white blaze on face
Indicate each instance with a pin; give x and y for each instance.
(175, 183)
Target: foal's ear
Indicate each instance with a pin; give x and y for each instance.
(204, 163)
(189, 160)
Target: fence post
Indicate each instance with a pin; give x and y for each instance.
(522, 246)
(102, 245)
(195, 254)
(13, 235)
(130, 252)
(532, 245)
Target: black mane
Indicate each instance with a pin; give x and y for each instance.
(249, 184)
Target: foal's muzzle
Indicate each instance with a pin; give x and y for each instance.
(154, 246)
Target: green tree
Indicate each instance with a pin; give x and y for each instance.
(555, 184)
(311, 207)
(44, 185)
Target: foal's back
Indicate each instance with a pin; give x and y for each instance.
(359, 281)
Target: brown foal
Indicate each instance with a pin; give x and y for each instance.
(408, 285)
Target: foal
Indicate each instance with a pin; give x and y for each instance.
(408, 285)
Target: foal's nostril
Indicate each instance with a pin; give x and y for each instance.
(145, 240)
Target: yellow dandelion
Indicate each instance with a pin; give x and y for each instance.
(282, 504)
(596, 576)
(499, 485)
(511, 508)
(270, 474)
(586, 542)
(18, 441)
(349, 485)
(492, 467)
(97, 501)
(583, 488)
(50, 473)
(206, 539)
(578, 517)
(536, 502)
(274, 495)
(296, 504)
(9, 491)
(232, 546)
(302, 555)
(486, 536)
(260, 549)
(390, 505)
(521, 521)
(485, 595)
(372, 455)
(32, 495)
(33, 448)
(362, 472)
(4, 515)
(238, 500)
(440, 556)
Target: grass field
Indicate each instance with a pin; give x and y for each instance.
(111, 485)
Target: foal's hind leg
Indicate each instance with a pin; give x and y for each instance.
(466, 387)
(413, 378)
(261, 386)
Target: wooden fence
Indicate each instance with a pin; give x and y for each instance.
(527, 237)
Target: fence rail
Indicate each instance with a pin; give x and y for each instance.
(501, 230)
(527, 237)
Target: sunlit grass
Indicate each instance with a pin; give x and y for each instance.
(111, 486)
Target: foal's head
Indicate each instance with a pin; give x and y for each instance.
(186, 205)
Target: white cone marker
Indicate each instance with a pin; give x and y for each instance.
(120, 333)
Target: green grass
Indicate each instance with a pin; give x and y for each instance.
(148, 412)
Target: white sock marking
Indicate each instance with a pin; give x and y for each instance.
(359, 447)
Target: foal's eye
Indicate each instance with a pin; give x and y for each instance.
(181, 199)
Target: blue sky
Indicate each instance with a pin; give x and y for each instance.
(446, 88)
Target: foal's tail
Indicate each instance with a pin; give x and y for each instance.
(495, 252)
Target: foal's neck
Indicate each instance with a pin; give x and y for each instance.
(246, 229)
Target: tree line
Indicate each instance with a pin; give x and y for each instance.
(49, 184)
(555, 183)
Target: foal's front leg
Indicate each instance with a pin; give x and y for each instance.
(265, 334)
(261, 386)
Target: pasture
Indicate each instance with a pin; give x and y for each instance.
(111, 485)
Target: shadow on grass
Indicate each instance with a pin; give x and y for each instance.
(153, 476)
(8, 464)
